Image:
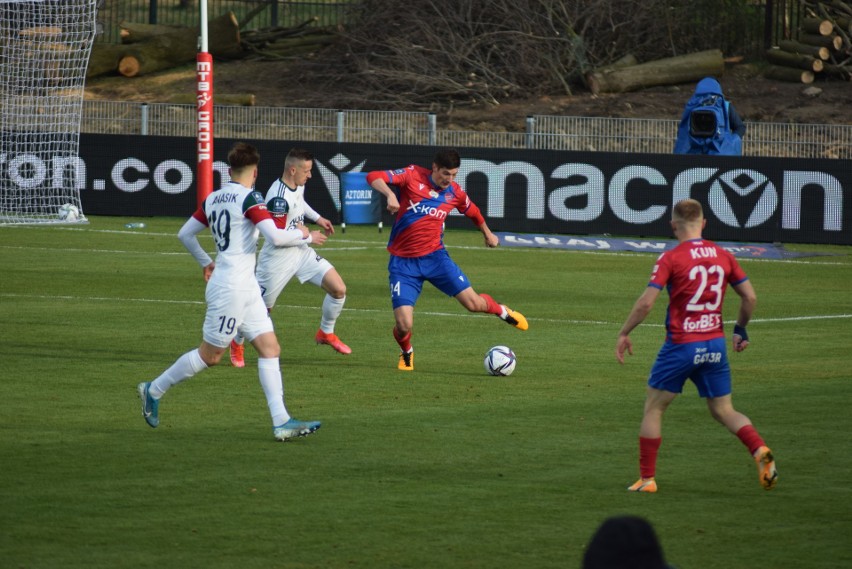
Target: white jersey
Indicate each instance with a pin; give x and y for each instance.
(234, 233)
(289, 210)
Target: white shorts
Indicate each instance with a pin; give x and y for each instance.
(275, 271)
(229, 309)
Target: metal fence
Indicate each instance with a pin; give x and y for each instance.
(251, 14)
(745, 28)
(542, 132)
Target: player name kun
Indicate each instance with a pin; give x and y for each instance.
(703, 252)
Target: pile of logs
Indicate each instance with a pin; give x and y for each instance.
(824, 47)
(147, 48)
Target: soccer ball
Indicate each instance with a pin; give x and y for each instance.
(500, 360)
(69, 212)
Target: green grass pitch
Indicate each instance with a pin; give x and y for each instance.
(444, 467)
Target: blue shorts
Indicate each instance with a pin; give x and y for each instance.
(704, 362)
(407, 274)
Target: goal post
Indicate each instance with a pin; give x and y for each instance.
(44, 51)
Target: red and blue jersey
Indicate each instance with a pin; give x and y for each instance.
(696, 275)
(423, 209)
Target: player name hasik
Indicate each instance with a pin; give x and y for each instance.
(225, 198)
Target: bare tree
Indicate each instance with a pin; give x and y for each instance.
(438, 53)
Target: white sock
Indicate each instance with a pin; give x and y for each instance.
(331, 309)
(185, 367)
(239, 338)
(505, 313)
(269, 371)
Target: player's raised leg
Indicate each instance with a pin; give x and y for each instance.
(722, 409)
(485, 303)
(332, 306)
(185, 367)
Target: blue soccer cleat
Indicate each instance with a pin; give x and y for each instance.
(294, 428)
(150, 406)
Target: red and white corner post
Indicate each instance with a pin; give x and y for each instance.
(204, 118)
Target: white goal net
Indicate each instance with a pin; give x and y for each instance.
(44, 50)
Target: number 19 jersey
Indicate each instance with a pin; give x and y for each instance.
(231, 212)
(696, 275)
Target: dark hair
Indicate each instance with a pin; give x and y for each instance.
(447, 158)
(243, 155)
(624, 542)
(299, 154)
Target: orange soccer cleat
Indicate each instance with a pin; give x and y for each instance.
(406, 361)
(766, 468)
(644, 485)
(238, 354)
(333, 341)
(516, 319)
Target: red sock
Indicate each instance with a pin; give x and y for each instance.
(403, 341)
(648, 449)
(750, 438)
(493, 307)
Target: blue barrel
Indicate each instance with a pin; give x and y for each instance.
(360, 204)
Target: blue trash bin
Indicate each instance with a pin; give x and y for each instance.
(359, 203)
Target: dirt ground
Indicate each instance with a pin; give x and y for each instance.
(755, 97)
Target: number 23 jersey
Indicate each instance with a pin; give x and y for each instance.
(696, 274)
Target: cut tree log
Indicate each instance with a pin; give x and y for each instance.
(787, 59)
(237, 100)
(668, 71)
(812, 50)
(104, 59)
(135, 32)
(223, 33)
(151, 48)
(166, 50)
(817, 26)
(789, 74)
(832, 42)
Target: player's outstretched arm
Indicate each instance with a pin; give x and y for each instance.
(491, 240)
(188, 235)
(641, 308)
(283, 237)
(748, 302)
